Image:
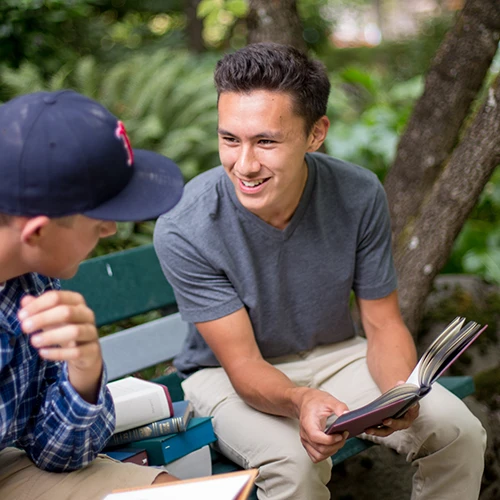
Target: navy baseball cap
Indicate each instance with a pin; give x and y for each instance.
(62, 153)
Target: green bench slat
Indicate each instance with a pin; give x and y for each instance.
(123, 284)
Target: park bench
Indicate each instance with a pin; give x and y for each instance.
(125, 284)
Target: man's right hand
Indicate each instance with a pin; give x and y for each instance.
(315, 406)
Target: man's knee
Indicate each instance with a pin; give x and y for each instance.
(294, 476)
(458, 428)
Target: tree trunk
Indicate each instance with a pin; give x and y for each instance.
(431, 193)
(454, 79)
(194, 28)
(275, 21)
(447, 207)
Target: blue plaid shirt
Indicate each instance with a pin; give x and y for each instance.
(40, 411)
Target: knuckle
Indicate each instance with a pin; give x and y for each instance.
(53, 297)
(74, 331)
(66, 313)
(80, 298)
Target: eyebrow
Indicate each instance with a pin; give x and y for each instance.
(262, 135)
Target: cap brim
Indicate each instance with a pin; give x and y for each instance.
(155, 187)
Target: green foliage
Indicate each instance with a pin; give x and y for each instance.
(220, 17)
(224, 22)
(367, 117)
(45, 31)
(477, 248)
(487, 384)
(316, 25)
(49, 33)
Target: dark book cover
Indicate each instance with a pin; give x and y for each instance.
(131, 455)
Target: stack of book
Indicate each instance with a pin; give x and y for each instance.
(151, 430)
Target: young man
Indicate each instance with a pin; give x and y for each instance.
(67, 173)
(263, 253)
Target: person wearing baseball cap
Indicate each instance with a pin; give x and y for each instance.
(67, 173)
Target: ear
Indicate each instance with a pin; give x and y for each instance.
(33, 229)
(318, 134)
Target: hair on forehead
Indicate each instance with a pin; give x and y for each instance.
(280, 68)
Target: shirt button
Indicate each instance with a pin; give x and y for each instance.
(12, 341)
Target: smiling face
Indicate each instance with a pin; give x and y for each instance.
(262, 147)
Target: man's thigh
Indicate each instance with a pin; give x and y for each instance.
(252, 438)
(344, 374)
(243, 432)
(20, 479)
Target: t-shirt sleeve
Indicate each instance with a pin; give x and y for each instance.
(203, 293)
(375, 274)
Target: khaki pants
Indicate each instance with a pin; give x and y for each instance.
(20, 479)
(446, 442)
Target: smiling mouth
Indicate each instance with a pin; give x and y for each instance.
(251, 184)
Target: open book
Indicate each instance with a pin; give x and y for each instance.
(438, 357)
(230, 486)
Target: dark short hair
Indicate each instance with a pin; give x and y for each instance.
(280, 68)
(66, 221)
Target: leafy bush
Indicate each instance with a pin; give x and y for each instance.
(367, 117)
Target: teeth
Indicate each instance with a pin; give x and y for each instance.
(251, 183)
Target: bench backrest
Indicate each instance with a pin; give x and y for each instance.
(124, 284)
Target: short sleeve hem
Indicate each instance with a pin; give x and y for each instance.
(211, 313)
(379, 292)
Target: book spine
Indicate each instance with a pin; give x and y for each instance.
(169, 399)
(155, 429)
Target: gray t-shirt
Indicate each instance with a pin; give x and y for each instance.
(295, 283)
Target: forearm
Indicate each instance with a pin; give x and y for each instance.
(267, 389)
(86, 383)
(391, 356)
(68, 432)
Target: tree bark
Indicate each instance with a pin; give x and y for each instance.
(194, 28)
(447, 207)
(453, 81)
(275, 21)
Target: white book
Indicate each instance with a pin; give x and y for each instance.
(139, 402)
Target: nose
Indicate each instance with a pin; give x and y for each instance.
(247, 164)
(108, 228)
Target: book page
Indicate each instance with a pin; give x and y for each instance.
(414, 375)
(225, 487)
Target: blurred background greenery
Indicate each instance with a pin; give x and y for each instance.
(151, 63)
